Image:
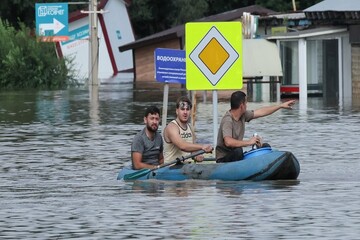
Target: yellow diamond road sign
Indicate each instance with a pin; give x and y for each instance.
(213, 55)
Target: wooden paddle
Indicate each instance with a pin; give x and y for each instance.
(143, 172)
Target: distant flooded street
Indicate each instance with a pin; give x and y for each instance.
(61, 152)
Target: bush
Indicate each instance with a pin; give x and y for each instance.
(28, 63)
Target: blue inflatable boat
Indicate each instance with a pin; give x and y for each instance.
(260, 164)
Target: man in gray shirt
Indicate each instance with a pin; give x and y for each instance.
(230, 140)
(147, 146)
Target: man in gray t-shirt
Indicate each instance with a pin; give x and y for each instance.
(230, 140)
(147, 146)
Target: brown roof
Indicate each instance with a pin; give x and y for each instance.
(179, 31)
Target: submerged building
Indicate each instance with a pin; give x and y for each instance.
(319, 50)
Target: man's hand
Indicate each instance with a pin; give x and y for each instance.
(207, 148)
(199, 158)
(255, 140)
(288, 104)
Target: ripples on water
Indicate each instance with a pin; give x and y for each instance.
(61, 151)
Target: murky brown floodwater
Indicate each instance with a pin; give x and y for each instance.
(61, 151)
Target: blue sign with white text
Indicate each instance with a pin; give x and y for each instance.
(77, 34)
(170, 65)
(51, 19)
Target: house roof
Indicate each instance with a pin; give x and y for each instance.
(335, 5)
(179, 31)
(309, 33)
(335, 12)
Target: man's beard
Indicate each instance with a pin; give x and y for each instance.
(151, 129)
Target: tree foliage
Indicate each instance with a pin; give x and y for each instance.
(151, 16)
(286, 5)
(27, 63)
(24, 62)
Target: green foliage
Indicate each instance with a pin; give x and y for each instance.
(187, 10)
(276, 5)
(27, 63)
(217, 6)
(152, 16)
(286, 6)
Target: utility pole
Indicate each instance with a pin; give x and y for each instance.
(294, 5)
(94, 44)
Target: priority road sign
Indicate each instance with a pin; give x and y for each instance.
(213, 55)
(52, 20)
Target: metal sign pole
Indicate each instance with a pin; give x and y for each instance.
(215, 117)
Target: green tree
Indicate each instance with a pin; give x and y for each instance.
(187, 10)
(15, 10)
(152, 16)
(224, 6)
(286, 5)
(302, 5)
(27, 63)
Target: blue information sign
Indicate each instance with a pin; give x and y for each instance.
(51, 19)
(77, 34)
(170, 65)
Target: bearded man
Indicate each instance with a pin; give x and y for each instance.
(147, 145)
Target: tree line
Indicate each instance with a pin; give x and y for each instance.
(28, 63)
(151, 16)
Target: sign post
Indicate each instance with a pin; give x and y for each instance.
(169, 68)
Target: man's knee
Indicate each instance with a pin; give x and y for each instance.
(235, 155)
(265, 145)
(238, 154)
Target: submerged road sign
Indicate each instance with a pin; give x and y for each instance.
(52, 21)
(213, 55)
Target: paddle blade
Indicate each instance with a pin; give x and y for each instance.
(136, 175)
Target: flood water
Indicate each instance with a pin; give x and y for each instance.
(61, 152)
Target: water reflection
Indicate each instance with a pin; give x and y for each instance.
(94, 104)
(156, 188)
(245, 187)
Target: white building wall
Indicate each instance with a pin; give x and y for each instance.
(119, 29)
